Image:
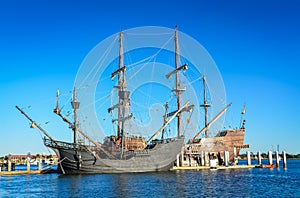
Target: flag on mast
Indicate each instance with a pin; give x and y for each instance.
(244, 109)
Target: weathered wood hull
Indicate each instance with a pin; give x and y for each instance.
(228, 140)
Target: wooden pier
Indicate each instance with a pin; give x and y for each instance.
(217, 167)
(9, 168)
(204, 162)
(20, 172)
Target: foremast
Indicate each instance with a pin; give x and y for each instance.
(75, 125)
(178, 89)
(75, 106)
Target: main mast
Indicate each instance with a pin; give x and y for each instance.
(123, 95)
(177, 88)
(178, 94)
(205, 106)
(120, 84)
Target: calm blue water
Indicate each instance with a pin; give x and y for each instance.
(218, 183)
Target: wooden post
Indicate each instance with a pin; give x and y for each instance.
(277, 159)
(235, 157)
(202, 158)
(248, 158)
(270, 158)
(9, 163)
(259, 157)
(182, 159)
(40, 164)
(28, 162)
(206, 154)
(226, 158)
(284, 159)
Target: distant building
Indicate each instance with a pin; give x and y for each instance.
(21, 159)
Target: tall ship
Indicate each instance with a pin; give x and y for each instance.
(224, 146)
(120, 152)
(138, 133)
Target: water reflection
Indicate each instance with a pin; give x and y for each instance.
(206, 183)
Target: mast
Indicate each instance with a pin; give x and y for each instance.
(75, 106)
(177, 88)
(242, 122)
(71, 125)
(123, 95)
(178, 94)
(121, 63)
(165, 120)
(205, 106)
(211, 122)
(57, 109)
(183, 108)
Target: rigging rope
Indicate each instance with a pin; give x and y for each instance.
(154, 55)
(96, 67)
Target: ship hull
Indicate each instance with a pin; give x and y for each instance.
(228, 140)
(81, 161)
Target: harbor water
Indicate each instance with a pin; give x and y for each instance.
(256, 182)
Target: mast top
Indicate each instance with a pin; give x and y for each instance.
(75, 103)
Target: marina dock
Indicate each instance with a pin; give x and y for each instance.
(8, 167)
(175, 168)
(187, 162)
(20, 172)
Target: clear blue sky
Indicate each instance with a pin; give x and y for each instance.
(254, 43)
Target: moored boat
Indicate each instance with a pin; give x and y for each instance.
(121, 152)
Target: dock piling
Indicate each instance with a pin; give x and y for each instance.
(202, 158)
(277, 159)
(259, 157)
(235, 157)
(284, 159)
(9, 165)
(270, 157)
(28, 163)
(40, 164)
(248, 158)
(206, 157)
(226, 158)
(177, 160)
(182, 158)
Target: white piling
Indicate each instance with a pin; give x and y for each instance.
(226, 158)
(259, 157)
(9, 165)
(277, 159)
(284, 159)
(177, 160)
(270, 157)
(248, 158)
(28, 163)
(202, 158)
(40, 164)
(235, 157)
